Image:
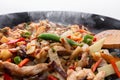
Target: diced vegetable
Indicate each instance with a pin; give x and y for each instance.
(96, 64)
(51, 77)
(5, 54)
(17, 59)
(23, 62)
(109, 69)
(15, 41)
(7, 77)
(115, 68)
(96, 46)
(94, 39)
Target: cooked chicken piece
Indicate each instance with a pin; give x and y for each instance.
(72, 76)
(42, 54)
(56, 29)
(85, 47)
(90, 74)
(65, 44)
(14, 49)
(55, 44)
(80, 74)
(78, 69)
(112, 38)
(54, 57)
(100, 76)
(76, 75)
(61, 50)
(44, 43)
(76, 52)
(69, 71)
(84, 60)
(20, 26)
(25, 70)
(58, 76)
(4, 46)
(15, 34)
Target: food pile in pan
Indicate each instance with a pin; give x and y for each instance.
(48, 51)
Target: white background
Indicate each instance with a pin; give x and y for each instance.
(109, 8)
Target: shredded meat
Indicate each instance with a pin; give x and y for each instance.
(84, 60)
(100, 76)
(90, 74)
(24, 71)
(79, 74)
(61, 50)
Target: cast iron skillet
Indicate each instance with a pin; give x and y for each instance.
(94, 23)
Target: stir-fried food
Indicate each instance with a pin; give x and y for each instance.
(48, 51)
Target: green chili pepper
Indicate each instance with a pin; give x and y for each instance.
(88, 39)
(73, 43)
(26, 34)
(53, 37)
(48, 36)
(17, 60)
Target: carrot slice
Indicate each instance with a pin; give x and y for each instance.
(115, 68)
(108, 57)
(82, 31)
(94, 67)
(9, 60)
(23, 62)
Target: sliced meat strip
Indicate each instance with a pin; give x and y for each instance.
(25, 70)
(84, 60)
